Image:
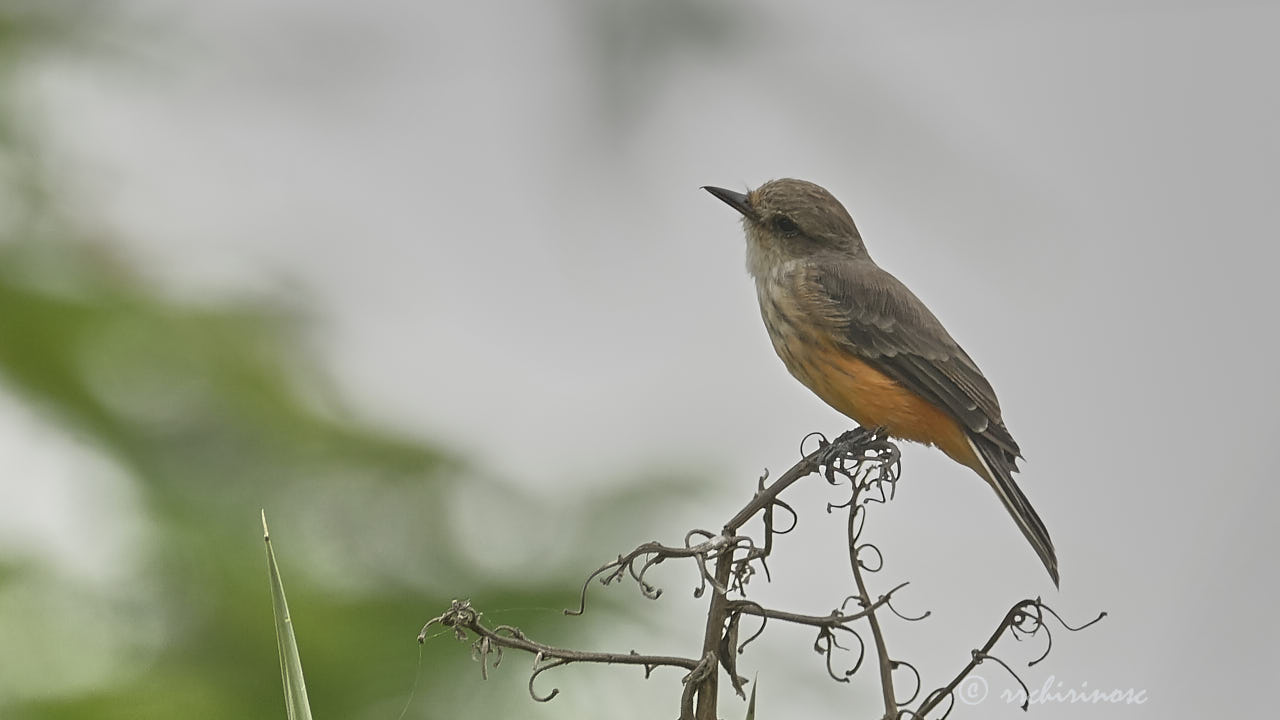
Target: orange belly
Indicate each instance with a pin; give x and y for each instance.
(873, 399)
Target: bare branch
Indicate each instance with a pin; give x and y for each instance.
(463, 618)
(651, 554)
(877, 635)
(854, 447)
(1025, 618)
(864, 462)
(746, 607)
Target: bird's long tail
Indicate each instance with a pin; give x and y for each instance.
(999, 466)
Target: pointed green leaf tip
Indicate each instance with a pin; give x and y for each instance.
(295, 689)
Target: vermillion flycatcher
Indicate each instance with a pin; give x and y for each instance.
(866, 345)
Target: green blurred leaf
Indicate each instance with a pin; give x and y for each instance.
(212, 411)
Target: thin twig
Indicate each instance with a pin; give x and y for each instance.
(746, 607)
(877, 635)
(869, 462)
(807, 465)
(1027, 617)
(462, 617)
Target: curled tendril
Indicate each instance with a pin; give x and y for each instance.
(696, 532)
(863, 604)
(764, 620)
(832, 506)
(1025, 619)
(1028, 620)
(764, 564)
(644, 558)
(540, 667)
(1026, 692)
(858, 519)
(877, 486)
(864, 458)
(857, 553)
(822, 442)
(853, 598)
(481, 650)
(742, 569)
(1069, 628)
(795, 518)
(649, 590)
(894, 665)
(889, 602)
(826, 644)
(582, 596)
(1064, 624)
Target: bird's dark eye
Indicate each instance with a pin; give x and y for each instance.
(785, 225)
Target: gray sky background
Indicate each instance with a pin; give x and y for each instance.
(493, 215)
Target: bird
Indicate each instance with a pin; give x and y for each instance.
(867, 346)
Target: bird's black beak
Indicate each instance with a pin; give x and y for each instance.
(735, 200)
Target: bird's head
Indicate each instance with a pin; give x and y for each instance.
(792, 220)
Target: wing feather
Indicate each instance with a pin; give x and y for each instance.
(889, 327)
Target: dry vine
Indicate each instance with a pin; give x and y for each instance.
(869, 463)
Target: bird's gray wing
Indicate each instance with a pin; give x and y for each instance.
(885, 324)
